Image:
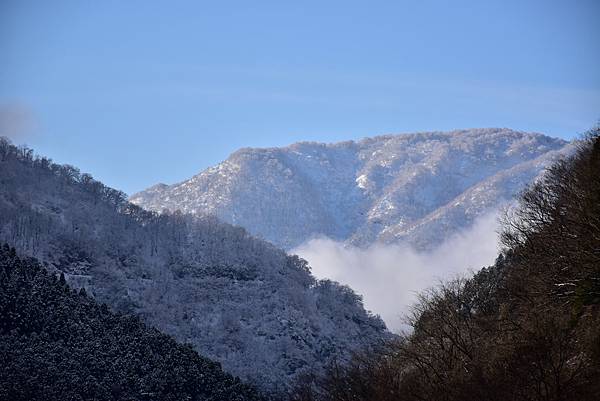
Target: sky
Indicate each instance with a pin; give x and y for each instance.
(140, 92)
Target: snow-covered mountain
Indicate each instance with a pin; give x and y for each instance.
(237, 299)
(419, 188)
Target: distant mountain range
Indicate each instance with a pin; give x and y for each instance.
(416, 188)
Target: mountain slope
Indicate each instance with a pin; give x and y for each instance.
(57, 344)
(386, 188)
(237, 299)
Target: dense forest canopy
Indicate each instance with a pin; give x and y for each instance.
(57, 343)
(526, 328)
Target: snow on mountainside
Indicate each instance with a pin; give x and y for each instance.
(237, 299)
(419, 188)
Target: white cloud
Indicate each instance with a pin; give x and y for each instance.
(389, 276)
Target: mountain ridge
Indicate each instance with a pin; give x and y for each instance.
(360, 192)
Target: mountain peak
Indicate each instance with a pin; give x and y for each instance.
(364, 191)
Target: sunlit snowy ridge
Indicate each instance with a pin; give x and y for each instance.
(416, 189)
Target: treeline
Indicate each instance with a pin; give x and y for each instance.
(526, 328)
(68, 174)
(57, 343)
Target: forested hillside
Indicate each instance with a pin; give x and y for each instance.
(526, 328)
(235, 298)
(56, 343)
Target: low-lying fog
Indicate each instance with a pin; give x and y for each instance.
(389, 276)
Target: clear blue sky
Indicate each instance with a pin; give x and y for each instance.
(139, 92)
